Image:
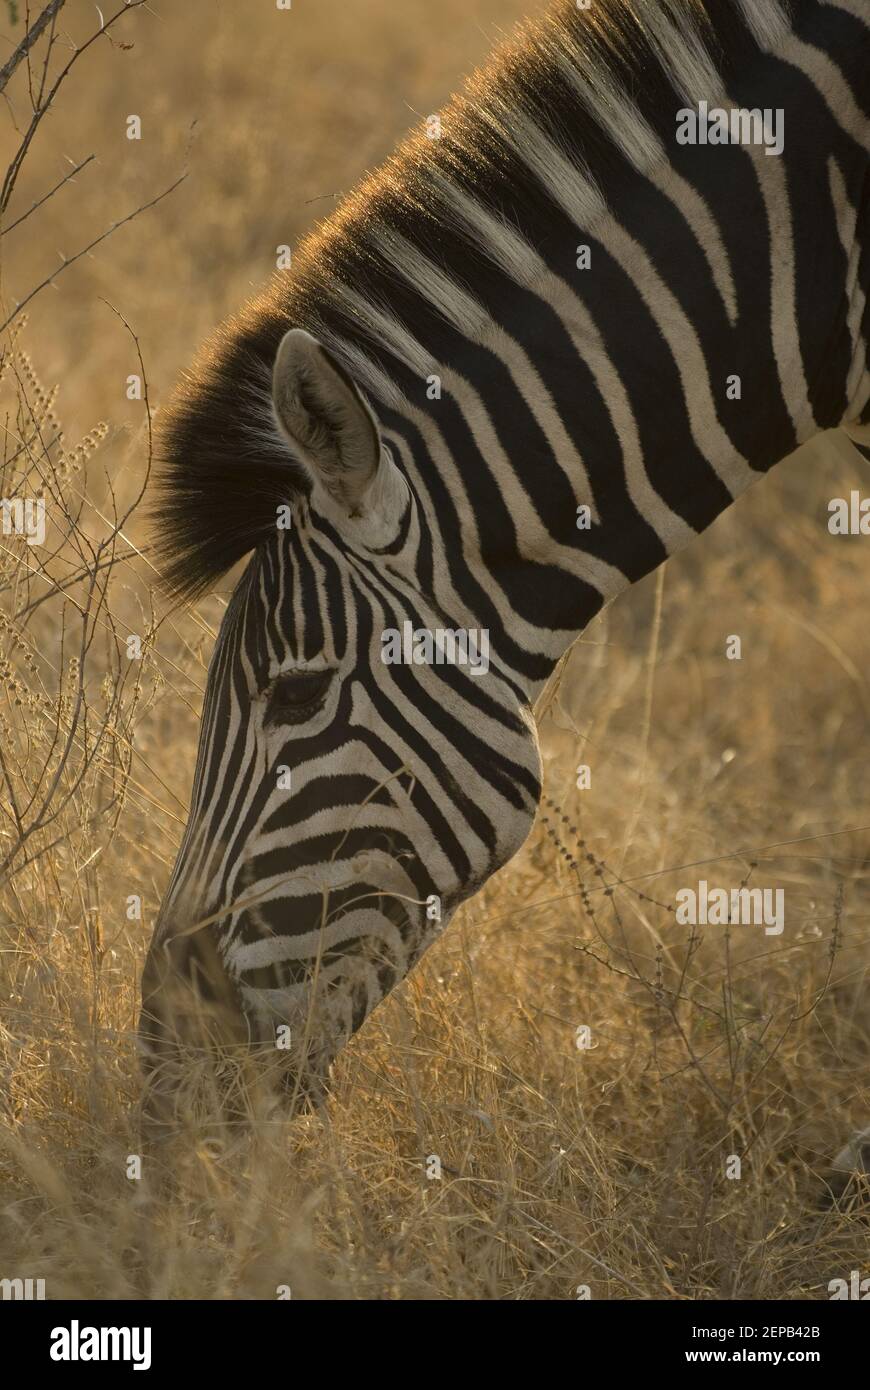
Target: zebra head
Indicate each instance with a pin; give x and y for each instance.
(366, 760)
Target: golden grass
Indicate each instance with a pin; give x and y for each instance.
(561, 1167)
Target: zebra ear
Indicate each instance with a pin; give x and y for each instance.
(325, 419)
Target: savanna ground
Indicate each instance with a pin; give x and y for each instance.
(561, 1166)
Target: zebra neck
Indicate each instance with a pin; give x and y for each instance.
(583, 334)
(600, 365)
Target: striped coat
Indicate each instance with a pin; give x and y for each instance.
(618, 278)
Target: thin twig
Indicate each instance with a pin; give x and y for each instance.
(71, 260)
(29, 40)
(66, 179)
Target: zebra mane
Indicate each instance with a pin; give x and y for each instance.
(222, 466)
(390, 282)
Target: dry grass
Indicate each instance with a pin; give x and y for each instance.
(561, 1166)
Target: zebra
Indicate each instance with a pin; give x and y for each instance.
(536, 353)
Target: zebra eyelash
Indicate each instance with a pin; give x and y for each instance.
(292, 697)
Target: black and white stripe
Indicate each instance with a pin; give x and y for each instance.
(559, 386)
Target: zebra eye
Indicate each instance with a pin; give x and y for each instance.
(296, 695)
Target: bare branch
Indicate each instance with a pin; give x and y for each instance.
(50, 194)
(30, 38)
(70, 260)
(45, 101)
